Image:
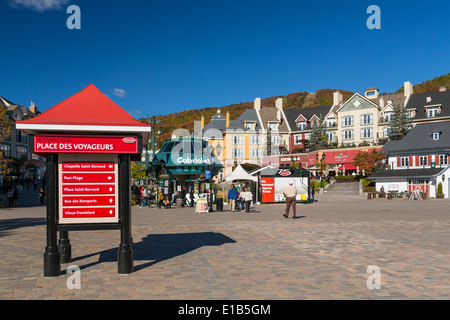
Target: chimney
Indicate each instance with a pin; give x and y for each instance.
(228, 120)
(203, 121)
(279, 103)
(442, 89)
(409, 89)
(337, 98)
(33, 107)
(257, 104)
(381, 103)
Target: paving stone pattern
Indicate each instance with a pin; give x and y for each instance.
(179, 254)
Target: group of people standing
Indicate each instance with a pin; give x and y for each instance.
(239, 201)
(160, 199)
(12, 197)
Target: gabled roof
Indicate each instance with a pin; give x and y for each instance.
(87, 107)
(355, 97)
(10, 107)
(407, 173)
(420, 139)
(293, 114)
(249, 115)
(269, 114)
(218, 121)
(87, 110)
(419, 102)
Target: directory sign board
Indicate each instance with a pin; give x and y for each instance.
(88, 188)
(47, 143)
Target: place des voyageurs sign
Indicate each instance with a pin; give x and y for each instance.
(87, 174)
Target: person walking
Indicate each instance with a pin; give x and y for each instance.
(183, 196)
(247, 198)
(41, 195)
(232, 196)
(145, 198)
(191, 196)
(15, 196)
(290, 193)
(160, 199)
(10, 197)
(313, 192)
(141, 202)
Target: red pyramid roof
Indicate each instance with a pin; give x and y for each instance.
(89, 107)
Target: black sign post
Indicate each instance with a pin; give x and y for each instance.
(125, 252)
(52, 264)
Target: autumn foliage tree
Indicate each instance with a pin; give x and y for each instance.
(5, 131)
(368, 161)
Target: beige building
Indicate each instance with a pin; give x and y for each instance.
(245, 140)
(18, 144)
(361, 120)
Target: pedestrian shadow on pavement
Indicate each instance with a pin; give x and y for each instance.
(7, 225)
(155, 248)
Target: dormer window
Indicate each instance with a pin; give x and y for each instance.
(432, 112)
(331, 122)
(411, 113)
(250, 125)
(388, 116)
(273, 126)
(436, 135)
(371, 93)
(301, 125)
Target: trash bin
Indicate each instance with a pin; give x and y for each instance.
(219, 204)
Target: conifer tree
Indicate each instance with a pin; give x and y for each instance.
(318, 137)
(5, 131)
(400, 123)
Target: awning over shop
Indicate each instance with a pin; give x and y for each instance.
(348, 166)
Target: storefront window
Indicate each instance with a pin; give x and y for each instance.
(6, 149)
(21, 151)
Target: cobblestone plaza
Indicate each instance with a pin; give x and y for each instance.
(179, 254)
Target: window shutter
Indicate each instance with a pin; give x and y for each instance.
(429, 160)
(398, 162)
(411, 161)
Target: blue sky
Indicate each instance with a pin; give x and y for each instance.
(160, 57)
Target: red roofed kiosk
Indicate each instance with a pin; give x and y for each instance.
(88, 141)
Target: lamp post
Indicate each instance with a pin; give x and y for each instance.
(153, 120)
(210, 167)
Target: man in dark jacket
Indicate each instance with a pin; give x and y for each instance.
(232, 196)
